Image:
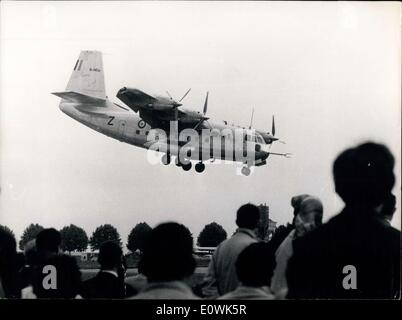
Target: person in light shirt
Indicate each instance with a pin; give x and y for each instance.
(308, 217)
(221, 276)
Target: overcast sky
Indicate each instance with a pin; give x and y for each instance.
(329, 72)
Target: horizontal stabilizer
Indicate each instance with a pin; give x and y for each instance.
(80, 98)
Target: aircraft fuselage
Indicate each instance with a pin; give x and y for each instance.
(126, 126)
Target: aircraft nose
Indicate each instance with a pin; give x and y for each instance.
(263, 155)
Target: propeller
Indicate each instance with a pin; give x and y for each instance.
(251, 121)
(185, 95)
(273, 132)
(203, 112)
(177, 104)
(169, 95)
(205, 104)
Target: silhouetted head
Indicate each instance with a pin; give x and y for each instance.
(60, 270)
(8, 265)
(296, 201)
(255, 265)
(48, 240)
(248, 216)
(30, 252)
(8, 249)
(364, 175)
(309, 215)
(168, 253)
(110, 255)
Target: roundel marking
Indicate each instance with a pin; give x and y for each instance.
(141, 124)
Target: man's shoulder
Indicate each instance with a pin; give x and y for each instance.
(244, 235)
(391, 235)
(102, 285)
(239, 238)
(166, 290)
(343, 228)
(312, 238)
(91, 281)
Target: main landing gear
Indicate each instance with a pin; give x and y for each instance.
(166, 159)
(199, 167)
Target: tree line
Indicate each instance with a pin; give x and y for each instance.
(74, 238)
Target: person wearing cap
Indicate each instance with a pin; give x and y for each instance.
(308, 216)
(280, 234)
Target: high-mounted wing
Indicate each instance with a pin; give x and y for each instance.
(159, 111)
(136, 99)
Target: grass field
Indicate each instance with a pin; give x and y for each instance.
(90, 268)
(132, 263)
(196, 278)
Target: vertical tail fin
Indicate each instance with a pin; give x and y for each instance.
(88, 77)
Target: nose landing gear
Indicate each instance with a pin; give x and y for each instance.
(199, 167)
(245, 171)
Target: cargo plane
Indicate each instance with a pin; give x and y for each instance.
(85, 100)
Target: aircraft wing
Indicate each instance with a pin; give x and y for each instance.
(134, 98)
(156, 110)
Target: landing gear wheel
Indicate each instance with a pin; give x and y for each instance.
(245, 171)
(187, 166)
(177, 162)
(199, 167)
(166, 159)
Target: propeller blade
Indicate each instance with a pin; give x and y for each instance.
(201, 122)
(169, 95)
(185, 95)
(206, 104)
(251, 121)
(198, 124)
(273, 125)
(286, 155)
